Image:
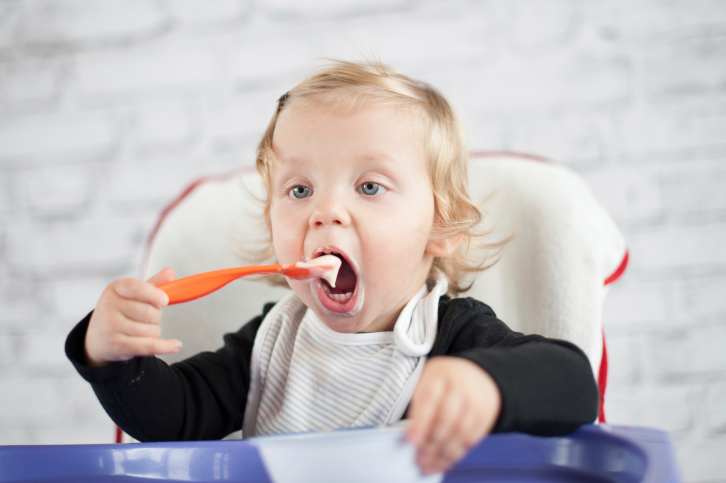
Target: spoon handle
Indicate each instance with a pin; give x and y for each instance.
(196, 286)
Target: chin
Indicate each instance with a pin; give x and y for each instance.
(346, 326)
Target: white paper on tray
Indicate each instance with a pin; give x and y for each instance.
(377, 454)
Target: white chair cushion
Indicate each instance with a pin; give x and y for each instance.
(550, 279)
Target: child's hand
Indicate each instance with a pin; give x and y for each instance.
(125, 323)
(454, 406)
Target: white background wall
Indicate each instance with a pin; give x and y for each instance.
(108, 108)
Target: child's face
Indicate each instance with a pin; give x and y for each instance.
(355, 183)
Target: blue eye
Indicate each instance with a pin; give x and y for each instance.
(370, 188)
(299, 192)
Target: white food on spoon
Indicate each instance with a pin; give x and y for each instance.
(325, 267)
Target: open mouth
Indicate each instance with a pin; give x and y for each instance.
(342, 297)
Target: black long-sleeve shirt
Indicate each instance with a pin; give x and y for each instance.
(547, 385)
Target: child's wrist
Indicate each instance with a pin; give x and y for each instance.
(91, 361)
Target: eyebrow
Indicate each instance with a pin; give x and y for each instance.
(370, 157)
(377, 158)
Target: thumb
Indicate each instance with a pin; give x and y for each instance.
(165, 275)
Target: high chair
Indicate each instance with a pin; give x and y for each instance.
(551, 278)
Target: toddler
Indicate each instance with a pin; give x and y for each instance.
(363, 163)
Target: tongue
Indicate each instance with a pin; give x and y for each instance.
(346, 278)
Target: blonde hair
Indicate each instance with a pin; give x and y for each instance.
(371, 83)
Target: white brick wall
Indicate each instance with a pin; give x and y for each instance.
(56, 190)
(9, 20)
(57, 24)
(44, 249)
(201, 15)
(109, 108)
(55, 137)
(690, 350)
(162, 68)
(702, 297)
(31, 83)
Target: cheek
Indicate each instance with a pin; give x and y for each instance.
(407, 225)
(398, 243)
(402, 234)
(285, 236)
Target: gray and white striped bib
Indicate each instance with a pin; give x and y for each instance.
(307, 377)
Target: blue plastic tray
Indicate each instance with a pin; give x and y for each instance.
(591, 454)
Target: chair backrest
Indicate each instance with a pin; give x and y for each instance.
(550, 280)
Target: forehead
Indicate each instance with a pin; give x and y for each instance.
(362, 130)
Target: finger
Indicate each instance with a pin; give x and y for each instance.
(444, 432)
(147, 346)
(472, 427)
(140, 311)
(467, 431)
(443, 461)
(135, 289)
(424, 405)
(165, 275)
(446, 422)
(140, 329)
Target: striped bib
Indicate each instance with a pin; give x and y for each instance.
(307, 377)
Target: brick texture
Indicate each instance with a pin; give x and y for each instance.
(632, 194)
(689, 67)
(574, 138)
(166, 127)
(199, 15)
(5, 195)
(702, 460)
(236, 125)
(56, 190)
(631, 303)
(9, 20)
(692, 350)
(680, 246)
(696, 188)
(72, 299)
(31, 83)
(31, 398)
(51, 24)
(702, 297)
(160, 69)
(109, 108)
(561, 81)
(21, 304)
(647, 21)
(671, 131)
(666, 408)
(43, 249)
(716, 414)
(55, 138)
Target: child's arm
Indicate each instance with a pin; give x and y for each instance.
(202, 397)
(126, 321)
(498, 380)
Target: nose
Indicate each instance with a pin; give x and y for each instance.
(329, 210)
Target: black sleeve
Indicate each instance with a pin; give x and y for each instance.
(200, 398)
(547, 385)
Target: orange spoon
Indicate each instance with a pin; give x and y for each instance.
(201, 284)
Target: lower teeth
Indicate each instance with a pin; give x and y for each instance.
(338, 297)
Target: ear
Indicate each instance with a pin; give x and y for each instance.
(444, 247)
